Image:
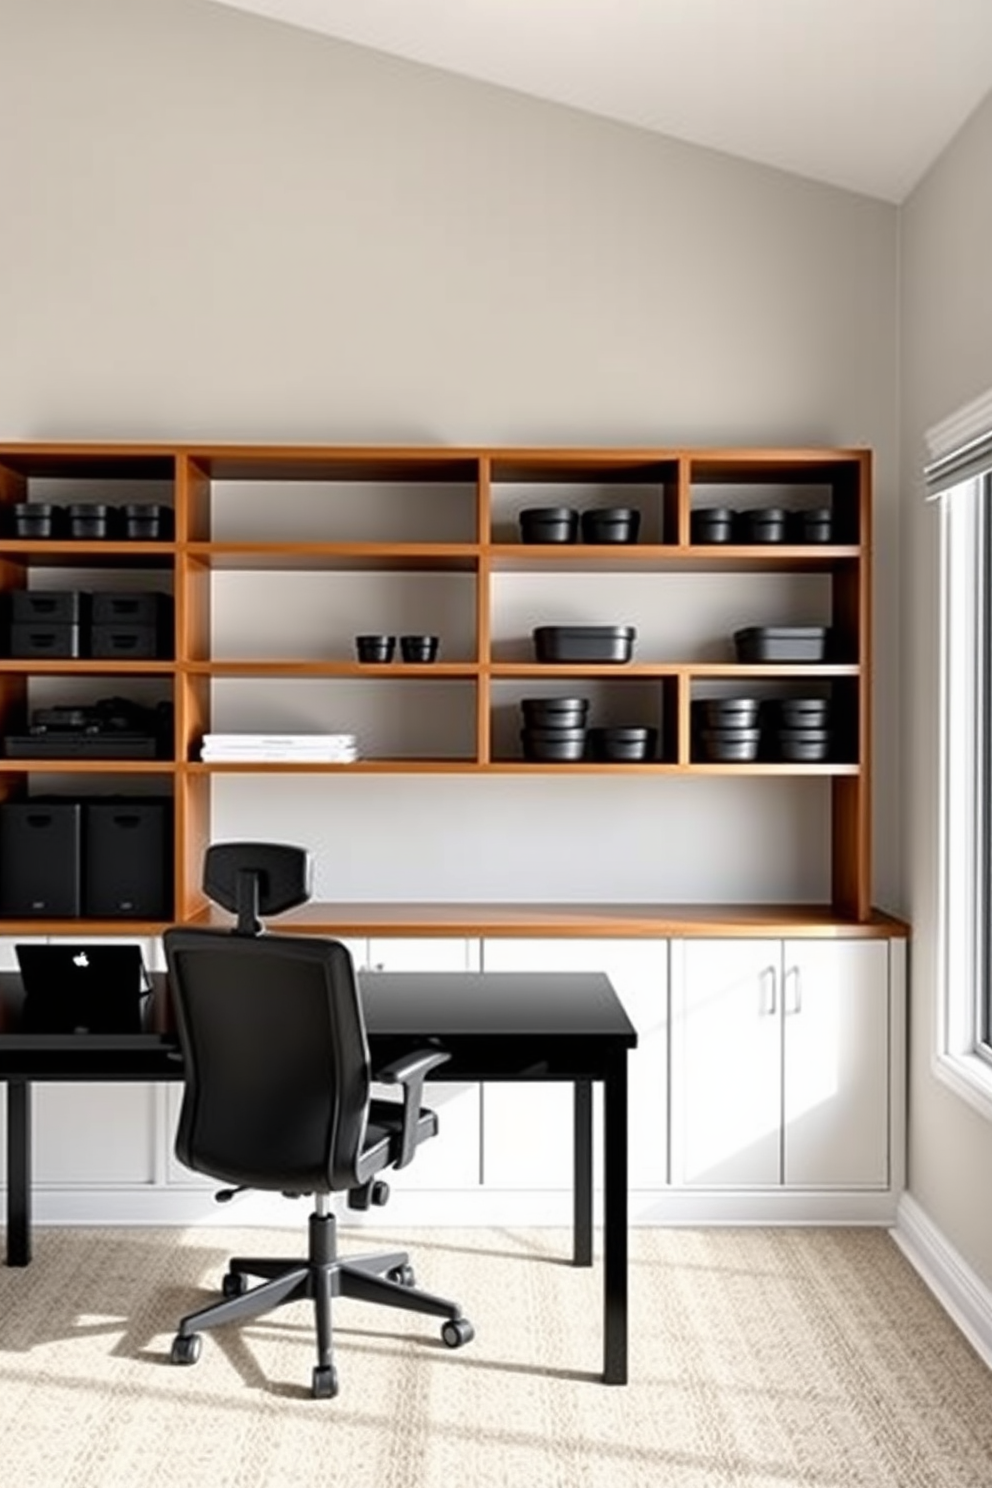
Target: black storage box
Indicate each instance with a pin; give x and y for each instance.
(132, 607)
(732, 745)
(124, 642)
(803, 713)
(811, 526)
(711, 524)
(623, 744)
(722, 713)
(804, 745)
(579, 643)
(147, 522)
(40, 859)
(91, 519)
(48, 607)
(613, 524)
(38, 519)
(762, 525)
(555, 713)
(757, 643)
(37, 640)
(127, 858)
(549, 524)
(555, 744)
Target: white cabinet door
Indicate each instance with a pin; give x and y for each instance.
(528, 1139)
(726, 1062)
(453, 1158)
(835, 1005)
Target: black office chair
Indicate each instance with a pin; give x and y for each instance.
(277, 1096)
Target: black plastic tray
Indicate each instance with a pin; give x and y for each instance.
(578, 643)
(799, 643)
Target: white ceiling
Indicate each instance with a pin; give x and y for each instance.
(862, 94)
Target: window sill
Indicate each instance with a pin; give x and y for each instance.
(969, 1077)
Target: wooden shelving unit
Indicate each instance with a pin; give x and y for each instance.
(451, 515)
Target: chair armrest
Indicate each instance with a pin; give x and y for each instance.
(410, 1071)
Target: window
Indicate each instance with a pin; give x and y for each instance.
(960, 480)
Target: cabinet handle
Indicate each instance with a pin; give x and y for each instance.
(796, 1004)
(769, 979)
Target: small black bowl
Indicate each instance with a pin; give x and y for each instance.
(372, 648)
(419, 647)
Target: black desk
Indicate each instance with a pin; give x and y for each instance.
(495, 1026)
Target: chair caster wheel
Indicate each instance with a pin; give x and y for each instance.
(457, 1331)
(186, 1348)
(235, 1284)
(325, 1382)
(402, 1275)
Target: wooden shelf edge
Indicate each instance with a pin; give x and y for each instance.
(594, 921)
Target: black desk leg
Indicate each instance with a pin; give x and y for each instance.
(582, 1177)
(18, 1172)
(615, 1226)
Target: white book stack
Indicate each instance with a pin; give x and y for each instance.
(325, 749)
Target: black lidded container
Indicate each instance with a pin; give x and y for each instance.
(39, 519)
(554, 713)
(558, 745)
(730, 746)
(711, 524)
(624, 744)
(549, 524)
(584, 643)
(804, 746)
(803, 713)
(419, 648)
(723, 713)
(812, 526)
(798, 643)
(375, 648)
(611, 524)
(762, 524)
(147, 521)
(91, 519)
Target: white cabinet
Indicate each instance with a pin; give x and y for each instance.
(452, 1159)
(781, 1063)
(528, 1131)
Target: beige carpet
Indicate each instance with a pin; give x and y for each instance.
(759, 1359)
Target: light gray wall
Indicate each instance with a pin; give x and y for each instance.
(216, 227)
(946, 229)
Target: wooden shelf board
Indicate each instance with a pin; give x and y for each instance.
(393, 557)
(593, 920)
(84, 928)
(86, 666)
(87, 766)
(64, 553)
(392, 669)
(669, 557)
(692, 670)
(309, 767)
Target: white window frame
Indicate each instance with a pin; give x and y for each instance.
(960, 1060)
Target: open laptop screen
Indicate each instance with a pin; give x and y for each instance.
(81, 988)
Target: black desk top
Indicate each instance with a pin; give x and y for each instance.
(572, 1021)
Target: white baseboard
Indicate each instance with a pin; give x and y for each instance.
(962, 1294)
(194, 1204)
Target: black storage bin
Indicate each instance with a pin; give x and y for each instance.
(91, 519)
(38, 519)
(711, 524)
(612, 524)
(762, 525)
(549, 524)
(757, 643)
(815, 525)
(623, 744)
(730, 746)
(40, 859)
(804, 746)
(48, 607)
(126, 642)
(39, 641)
(558, 745)
(147, 522)
(555, 713)
(717, 713)
(803, 713)
(375, 648)
(579, 643)
(131, 607)
(127, 859)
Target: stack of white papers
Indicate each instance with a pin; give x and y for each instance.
(336, 749)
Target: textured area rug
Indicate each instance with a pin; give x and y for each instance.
(759, 1359)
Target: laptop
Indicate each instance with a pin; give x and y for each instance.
(82, 988)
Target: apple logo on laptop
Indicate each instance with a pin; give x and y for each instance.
(80, 959)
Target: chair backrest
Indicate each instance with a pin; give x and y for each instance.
(277, 1074)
